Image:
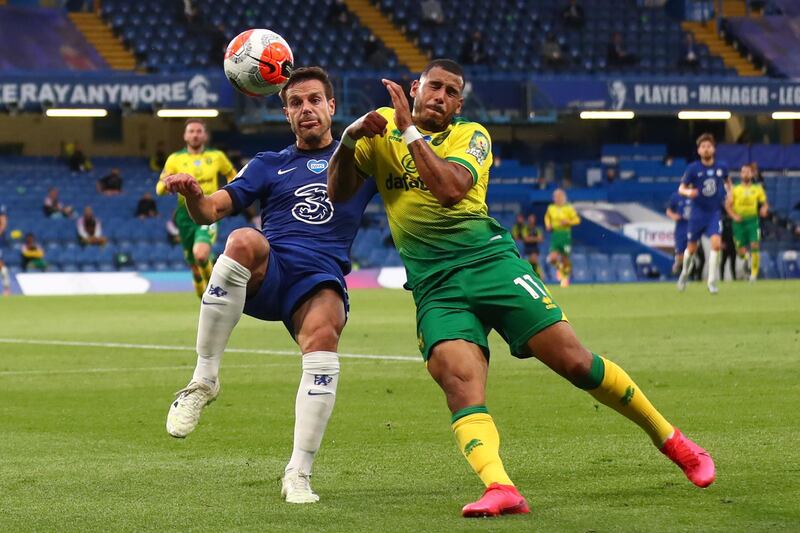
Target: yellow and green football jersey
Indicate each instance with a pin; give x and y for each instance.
(747, 198)
(431, 238)
(561, 217)
(206, 167)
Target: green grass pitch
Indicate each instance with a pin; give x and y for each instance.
(83, 445)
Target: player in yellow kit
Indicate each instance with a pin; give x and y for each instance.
(206, 165)
(467, 278)
(559, 220)
(744, 204)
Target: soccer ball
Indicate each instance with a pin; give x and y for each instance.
(258, 62)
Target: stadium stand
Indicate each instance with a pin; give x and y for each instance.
(513, 42)
(771, 41)
(165, 41)
(44, 31)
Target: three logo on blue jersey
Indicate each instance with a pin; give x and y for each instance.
(315, 207)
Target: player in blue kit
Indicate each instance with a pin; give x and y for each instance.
(678, 210)
(705, 182)
(293, 270)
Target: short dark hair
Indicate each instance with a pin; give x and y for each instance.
(195, 121)
(706, 137)
(445, 64)
(308, 73)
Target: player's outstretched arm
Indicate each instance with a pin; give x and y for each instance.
(448, 182)
(687, 191)
(343, 179)
(203, 209)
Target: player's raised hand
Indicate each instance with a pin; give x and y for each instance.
(402, 112)
(183, 184)
(369, 125)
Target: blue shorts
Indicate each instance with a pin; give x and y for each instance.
(292, 277)
(701, 223)
(680, 237)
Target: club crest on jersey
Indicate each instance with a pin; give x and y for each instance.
(315, 207)
(478, 147)
(317, 166)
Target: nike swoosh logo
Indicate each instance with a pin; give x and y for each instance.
(204, 302)
(312, 393)
(283, 171)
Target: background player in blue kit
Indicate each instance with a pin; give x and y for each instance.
(293, 270)
(678, 210)
(705, 182)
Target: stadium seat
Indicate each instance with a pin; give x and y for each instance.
(623, 267)
(788, 264)
(580, 269)
(768, 268)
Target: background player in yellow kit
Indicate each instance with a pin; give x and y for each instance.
(206, 165)
(559, 219)
(745, 203)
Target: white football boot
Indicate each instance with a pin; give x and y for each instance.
(296, 488)
(682, 282)
(184, 413)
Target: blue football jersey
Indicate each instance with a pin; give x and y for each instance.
(681, 205)
(710, 184)
(296, 214)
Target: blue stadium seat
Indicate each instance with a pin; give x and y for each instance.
(580, 269)
(623, 267)
(789, 265)
(601, 268)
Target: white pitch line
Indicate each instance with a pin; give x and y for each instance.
(110, 370)
(86, 344)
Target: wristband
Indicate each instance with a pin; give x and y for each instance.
(348, 141)
(411, 134)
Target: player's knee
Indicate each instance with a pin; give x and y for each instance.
(579, 366)
(323, 336)
(247, 247)
(201, 254)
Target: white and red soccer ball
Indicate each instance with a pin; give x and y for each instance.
(258, 62)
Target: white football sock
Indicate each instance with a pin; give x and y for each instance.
(220, 310)
(5, 277)
(713, 266)
(313, 407)
(688, 261)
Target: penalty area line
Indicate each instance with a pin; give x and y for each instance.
(161, 347)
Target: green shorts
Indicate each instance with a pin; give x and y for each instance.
(746, 232)
(191, 233)
(502, 293)
(561, 241)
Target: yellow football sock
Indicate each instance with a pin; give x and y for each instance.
(755, 262)
(205, 270)
(611, 385)
(479, 441)
(199, 285)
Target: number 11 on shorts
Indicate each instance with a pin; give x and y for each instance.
(527, 283)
